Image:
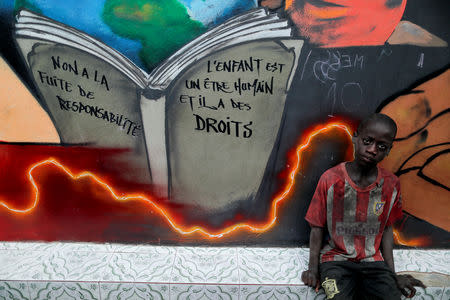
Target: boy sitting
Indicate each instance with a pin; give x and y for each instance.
(357, 202)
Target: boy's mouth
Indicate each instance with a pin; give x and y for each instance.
(367, 159)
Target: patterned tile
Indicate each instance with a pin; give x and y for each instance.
(134, 291)
(83, 247)
(422, 260)
(271, 251)
(303, 255)
(14, 290)
(205, 265)
(253, 292)
(64, 290)
(269, 266)
(432, 293)
(446, 294)
(130, 248)
(31, 246)
(197, 292)
(22, 264)
(57, 246)
(153, 266)
(77, 265)
(312, 295)
(46, 265)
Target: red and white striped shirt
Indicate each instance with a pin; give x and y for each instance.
(355, 217)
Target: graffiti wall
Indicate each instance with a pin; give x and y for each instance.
(209, 122)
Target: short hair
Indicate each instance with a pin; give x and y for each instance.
(381, 118)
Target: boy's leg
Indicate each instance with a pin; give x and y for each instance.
(378, 281)
(338, 279)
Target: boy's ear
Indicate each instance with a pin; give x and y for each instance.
(355, 135)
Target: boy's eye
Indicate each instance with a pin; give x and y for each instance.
(367, 141)
(382, 147)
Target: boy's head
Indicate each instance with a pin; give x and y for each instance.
(373, 139)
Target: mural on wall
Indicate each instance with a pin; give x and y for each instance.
(421, 156)
(210, 122)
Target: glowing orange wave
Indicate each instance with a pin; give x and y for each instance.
(415, 242)
(190, 230)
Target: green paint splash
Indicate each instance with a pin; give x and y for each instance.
(162, 26)
(19, 4)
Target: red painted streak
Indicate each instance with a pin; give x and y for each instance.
(283, 195)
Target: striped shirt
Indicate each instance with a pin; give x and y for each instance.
(355, 217)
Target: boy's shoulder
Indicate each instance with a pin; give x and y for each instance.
(338, 173)
(334, 173)
(388, 176)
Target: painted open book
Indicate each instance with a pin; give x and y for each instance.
(202, 126)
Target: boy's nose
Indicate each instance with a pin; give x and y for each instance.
(372, 149)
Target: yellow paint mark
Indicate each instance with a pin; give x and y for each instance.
(144, 13)
(327, 12)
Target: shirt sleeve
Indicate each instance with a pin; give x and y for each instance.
(317, 211)
(396, 211)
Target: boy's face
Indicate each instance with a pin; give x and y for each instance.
(373, 143)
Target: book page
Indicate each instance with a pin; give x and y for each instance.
(89, 101)
(223, 121)
(34, 26)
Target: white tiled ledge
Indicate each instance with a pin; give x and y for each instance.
(117, 271)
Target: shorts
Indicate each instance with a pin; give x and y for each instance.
(358, 280)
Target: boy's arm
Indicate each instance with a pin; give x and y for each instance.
(317, 219)
(387, 245)
(311, 276)
(404, 282)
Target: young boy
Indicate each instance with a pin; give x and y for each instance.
(356, 203)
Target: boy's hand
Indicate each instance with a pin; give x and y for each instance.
(311, 278)
(407, 282)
